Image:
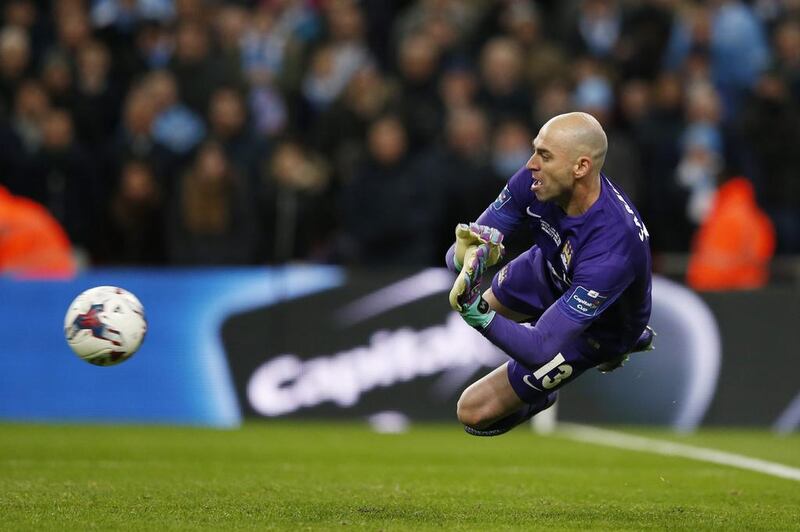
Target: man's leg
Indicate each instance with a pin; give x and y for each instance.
(493, 405)
(490, 406)
(488, 399)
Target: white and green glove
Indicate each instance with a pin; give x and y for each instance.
(465, 296)
(474, 234)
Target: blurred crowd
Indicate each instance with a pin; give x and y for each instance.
(192, 132)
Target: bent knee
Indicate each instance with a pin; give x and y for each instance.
(470, 413)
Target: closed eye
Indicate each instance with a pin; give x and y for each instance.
(546, 155)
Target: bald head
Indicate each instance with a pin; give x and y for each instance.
(581, 134)
(568, 154)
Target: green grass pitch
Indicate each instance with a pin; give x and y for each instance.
(334, 476)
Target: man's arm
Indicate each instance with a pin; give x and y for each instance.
(606, 277)
(533, 346)
(504, 214)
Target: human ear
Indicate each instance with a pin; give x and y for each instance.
(583, 166)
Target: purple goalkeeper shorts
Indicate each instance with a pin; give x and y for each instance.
(520, 286)
(532, 384)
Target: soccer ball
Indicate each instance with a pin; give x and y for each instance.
(105, 325)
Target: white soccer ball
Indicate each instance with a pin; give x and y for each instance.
(105, 325)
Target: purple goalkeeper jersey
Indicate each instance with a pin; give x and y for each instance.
(595, 268)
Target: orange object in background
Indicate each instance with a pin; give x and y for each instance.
(32, 243)
(734, 245)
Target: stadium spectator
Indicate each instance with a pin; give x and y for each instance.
(664, 208)
(389, 207)
(263, 46)
(175, 127)
(698, 169)
(519, 20)
(211, 219)
(595, 95)
(58, 79)
(20, 13)
(734, 246)
(276, 42)
(511, 147)
(503, 92)
(154, 46)
(197, 70)
(124, 15)
(458, 86)
(32, 243)
(771, 128)
(15, 58)
(133, 228)
(27, 16)
(31, 105)
(229, 25)
(73, 28)
(552, 98)
(97, 97)
(418, 66)
(270, 49)
(62, 176)
(447, 23)
(597, 28)
(191, 10)
(635, 103)
(298, 216)
(733, 37)
(463, 170)
(644, 36)
(229, 125)
(343, 53)
(787, 54)
(342, 128)
(136, 133)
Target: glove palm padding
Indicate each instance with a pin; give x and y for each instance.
(469, 236)
(465, 296)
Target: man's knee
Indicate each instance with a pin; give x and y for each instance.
(487, 400)
(471, 412)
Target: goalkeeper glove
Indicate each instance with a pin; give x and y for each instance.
(478, 314)
(465, 296)
(472, 235)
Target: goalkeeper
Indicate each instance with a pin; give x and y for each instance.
(584, 284)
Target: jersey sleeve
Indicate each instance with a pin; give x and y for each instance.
(533, 346)
(598, 280)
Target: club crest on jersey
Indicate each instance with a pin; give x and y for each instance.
(566, 254)
(502, 199)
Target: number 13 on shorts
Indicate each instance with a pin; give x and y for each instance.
(564, 372)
